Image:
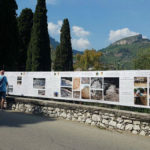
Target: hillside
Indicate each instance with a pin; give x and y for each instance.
(55, 43)
(122, 54)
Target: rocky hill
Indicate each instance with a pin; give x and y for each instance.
(122, 54)
(130, 40)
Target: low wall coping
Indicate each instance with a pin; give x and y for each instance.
(71, 106)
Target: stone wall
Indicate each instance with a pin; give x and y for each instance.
(136, 123)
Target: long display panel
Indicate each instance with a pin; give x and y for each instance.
(126, 88)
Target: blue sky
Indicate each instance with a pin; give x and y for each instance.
(96, 23)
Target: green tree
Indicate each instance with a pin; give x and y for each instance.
(66, 58)
(39, 55)
(142, 60)
(25, 22)
(90, 60)
(8, 34)
(58, 60)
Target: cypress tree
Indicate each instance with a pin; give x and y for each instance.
(8, 34)
(25, 22)
(66, 47)
(58, 60)
(38, 58)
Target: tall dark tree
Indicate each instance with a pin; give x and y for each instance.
(8, 34)
(25, 22)
(39, 46)
(57, 64)
(66, 47)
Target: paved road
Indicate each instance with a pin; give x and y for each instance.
(27, 132)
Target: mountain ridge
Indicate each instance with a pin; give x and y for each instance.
(122, 53)
(130, 40)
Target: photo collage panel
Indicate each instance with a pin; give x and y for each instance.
(19, 80)
(76, 88)
(41, 92)
(85, 88)
(66, 87)
(92, 88)
(97, 88)
(39, 83)
(111, 89)
(140, 91)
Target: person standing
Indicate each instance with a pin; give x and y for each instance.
(3, 86)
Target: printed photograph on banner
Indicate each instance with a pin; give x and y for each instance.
(66, 81)
(85, 80)
(41, 92)
(66, 92)
(140, 96)
(76, 84)
(76, 94)
(10, 89)
(39, 83)
(96, 94)
(111, 89)
(85, 92)
(96, 83)
(19, 80)
(140, 82)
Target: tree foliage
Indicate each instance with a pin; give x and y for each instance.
(90, 60)
(64, 59)
(25, 22)
(8, 34)
(38, 55)
(142, 61)
(58, 60)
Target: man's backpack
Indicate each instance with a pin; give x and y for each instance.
(1, 82)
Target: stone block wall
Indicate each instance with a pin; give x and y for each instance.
(123, 121)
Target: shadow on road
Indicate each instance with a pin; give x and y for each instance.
(17, 119)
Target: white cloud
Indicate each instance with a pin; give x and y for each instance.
(54, 29)
(121, 33)
(79, 31)
(60, 22)
(80, 44)
(51, 2)
(79, 40)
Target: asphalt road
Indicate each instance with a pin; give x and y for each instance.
(20, 131)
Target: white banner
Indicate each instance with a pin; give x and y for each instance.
(126, 88)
